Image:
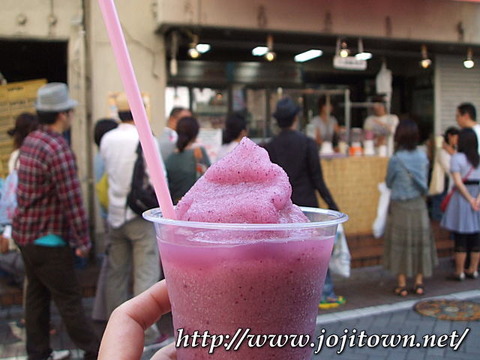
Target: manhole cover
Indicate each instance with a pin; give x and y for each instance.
(449, 309)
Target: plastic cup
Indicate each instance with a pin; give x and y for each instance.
(232, 284)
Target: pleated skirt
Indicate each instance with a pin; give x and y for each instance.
(409, 244)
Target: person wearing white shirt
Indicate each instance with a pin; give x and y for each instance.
(132, 239)
(446, 152)
(326, 125)
(382, 125)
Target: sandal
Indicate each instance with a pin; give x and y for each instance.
(419, 289)
(332, 302)
(401, 291)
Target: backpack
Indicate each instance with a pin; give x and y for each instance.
(142, 195)
(8, 198)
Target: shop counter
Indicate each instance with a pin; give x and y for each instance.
(353, 182)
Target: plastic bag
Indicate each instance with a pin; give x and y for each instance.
(340, 260)
(380, 221)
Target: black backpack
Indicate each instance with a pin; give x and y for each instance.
(141, 196)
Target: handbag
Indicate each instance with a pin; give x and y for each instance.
(437, 181)
(200, 165)
(101, 188)
(446, 199)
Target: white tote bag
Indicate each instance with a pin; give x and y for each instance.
(380, 221)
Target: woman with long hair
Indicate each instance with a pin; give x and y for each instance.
(235, 131)
(25, 123)
(409, 246)
(462, 214)
(188, 162)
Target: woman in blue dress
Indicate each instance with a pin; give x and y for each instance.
(462, 215)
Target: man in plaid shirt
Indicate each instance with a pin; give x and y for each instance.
(50, 222)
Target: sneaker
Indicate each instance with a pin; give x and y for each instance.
(59, 355)
(473, 275)
(331, 303)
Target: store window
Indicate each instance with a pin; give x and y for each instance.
(210, 106)
(178, 96)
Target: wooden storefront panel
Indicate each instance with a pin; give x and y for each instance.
(353, 182)
(15, 98)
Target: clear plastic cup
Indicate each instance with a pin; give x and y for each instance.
(232, 283)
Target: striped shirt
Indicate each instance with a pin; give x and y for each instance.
(49, 194)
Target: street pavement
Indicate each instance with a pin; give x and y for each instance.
(371, 309)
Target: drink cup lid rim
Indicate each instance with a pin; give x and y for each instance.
(155, 216)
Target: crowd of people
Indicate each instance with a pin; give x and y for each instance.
(50, 226)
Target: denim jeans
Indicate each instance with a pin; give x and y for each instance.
(328, 291)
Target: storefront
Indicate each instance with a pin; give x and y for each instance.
(229, 78)
(426, 83)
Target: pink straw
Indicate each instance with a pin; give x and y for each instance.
(149, 146)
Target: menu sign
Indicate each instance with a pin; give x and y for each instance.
(349, 63)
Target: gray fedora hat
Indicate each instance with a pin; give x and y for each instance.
(54, 97)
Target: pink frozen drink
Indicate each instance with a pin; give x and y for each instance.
(243, 262)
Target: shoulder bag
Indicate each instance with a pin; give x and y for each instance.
(200, 165)
(446, 199)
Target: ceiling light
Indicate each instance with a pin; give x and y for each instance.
(192, 51)
(362, 54)
(344, 51)
(468, 62)
(270, 55)
(426, 61)
(308, 55)
(259, 51)
(203, 48)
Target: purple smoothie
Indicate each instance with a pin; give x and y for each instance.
(241, 256)
(267, 286)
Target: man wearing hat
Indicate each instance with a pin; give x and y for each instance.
(133, 246)
(49, 223)
(297, 154)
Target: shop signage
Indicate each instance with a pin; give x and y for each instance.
(349, 63)
(205, 72)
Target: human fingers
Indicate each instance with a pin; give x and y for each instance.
(124, 336)
(167, 353)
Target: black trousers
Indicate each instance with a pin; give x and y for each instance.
(51, 275)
